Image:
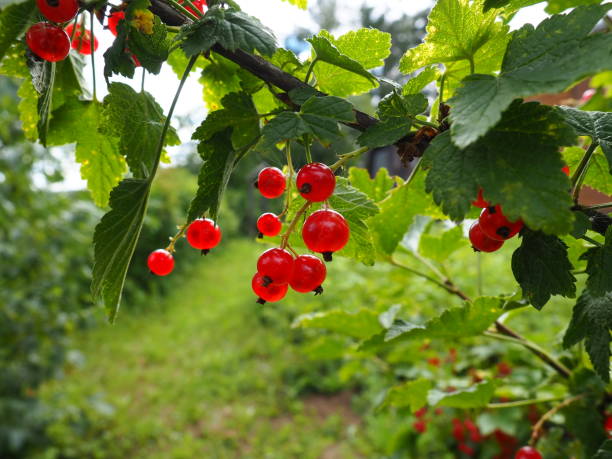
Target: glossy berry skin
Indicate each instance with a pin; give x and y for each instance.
(161, 262)
(481, 242)
(81, 40)
(608, 424)
(271, 182)
(58, 10)
(48, 41)
(199, 4)
(203, 234)
(527, 452)
(495, 224)
(276, 266)
(113, 21)
(325, 231)
(267, 292)
(480, 201)
(316, 182)
(269, 225)
(566, 170)
(308, 274)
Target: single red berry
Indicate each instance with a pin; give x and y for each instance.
(566, 170)
(433, 361)
(480, 201)
(269, 225)
(608, 424)
(325, 231)
(316, 182)
(271, 182)
(504, 369)
(308, 274)
(495, 224)
(48, 41)
(161, 262)
(276, 266)
(203, 234)
(481, 242)
(465, 448)
(527, 452)
(81, 41)
(475, 435)
(458, 430)
(421, 412)
(58, 10)
(420, 426)
(113, 21)
(268, 292)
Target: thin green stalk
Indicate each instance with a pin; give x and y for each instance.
(194, 8)
(307, 149)
(142, 81)
(534, 401)
(592, 241)
(580, 173)
(310, 69)
(348, 156)
(425, 123)
(291, 170)
(93, 56)
(181, 9)
(423, 275)
(479, 267)
(472, 67)
(74, 28)
(599, 206)
(173, 29)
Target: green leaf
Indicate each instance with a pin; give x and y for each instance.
(416, 84)
(385, 132)
(116, 59)
(361, 324)
(599, 267)
(597, 125)
(584, 421)
(115, 239)
(396, 105)
(517, 164)
(604, 451)
(457, 30)
(13, 21)
(546, 59)
(557, 6)
(411, 394)
(477, 396)
(440, 248)
(598, 173)
(219, 159)
(375, 188)
(151, 50)
(136, 120)
(542, 268)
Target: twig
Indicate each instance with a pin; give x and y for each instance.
(580, 173)
(518, 403)
(546, 416)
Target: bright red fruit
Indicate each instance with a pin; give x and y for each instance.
(458, 430)
(608, 424)
(474, 431)
(421, 412)
(81, 40)
(271, 182)
(325, 231)
(481, 242)
(269, 225)
(316, 182)
(566, 170)
(466, 449)
(199, 4)
(527, 452)
(203, 234)
(58, 10)
(480, 201)
(276, 266)
(267, 292)
(48, 41)
(161, 262)
(495, 224)
(504, 369)
(420, 426)
(434, 361)
(308, 274)
(113, 21)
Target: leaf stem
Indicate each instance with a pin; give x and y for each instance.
(93, 56)
(537, 428)
(292, 225)
(307, 149)
(517, 403)
(472, 66)
(181, 9)
(423, 275)
(176, 237)
(142, 81)
(580, 173)
(348, 156)
(425, 123)
(198, 13)
(598, 206)
(290, 180)
(310, 69)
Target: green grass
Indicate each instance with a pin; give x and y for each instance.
(203, 373)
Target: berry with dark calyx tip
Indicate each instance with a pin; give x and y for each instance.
(495, 224)
(203, 234)
(480, 201)
(325, 231)
(566, 170)
(527, 452)
(113, 21)
(58, 10)
(481, 242)
(316, 182)
(81, 41)
(271, 182)
(276, 266)
(267, 292)
(160, 262)
(308, 274)
(48, 41)
(269, 225)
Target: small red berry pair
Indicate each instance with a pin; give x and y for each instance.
(315, 182)
(81, 40)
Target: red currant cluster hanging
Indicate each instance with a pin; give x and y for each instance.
(325, 231)
(48, 40)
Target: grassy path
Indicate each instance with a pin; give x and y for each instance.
(205, 373)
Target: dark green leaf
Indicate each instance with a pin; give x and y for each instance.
(584, 421)
(476, 396)
(557, 6)
(396, 105)
(599, 267)
(604, 451)
(152, 49)
(13, 22)
(44, 83)
(385, 132)
(116, 59)
(581, 225)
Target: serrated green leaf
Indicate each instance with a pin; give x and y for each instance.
(477, 396)
(403, 106)
(598, 173)
(557, 6)
(581, 225)
(13, 22)
(411, 394)
(375, 188)
(152, 49)
(360, 324)
(542, 268)
(584, 420)
(116, 59)
(599, 267)
(517, 164)
(439, 248)
(115, 239)
(416, 84)
(546, 59)
(385, 132)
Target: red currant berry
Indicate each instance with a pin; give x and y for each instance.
(271, 182)
(308, 274)
(527, 452)
(420, 413)
(608, 424)
(268, 292)
(161, 262)
(199, 4)
(481, 242)
(81, 41)
(276, 266)
(480, 201)
(113, 21)
(495, 224)
(465, 448)
(58, 10)
(566, 170)
(269, 225)
(325, 231)
(203, 234)
(316, 182)
(48, 41)
(420, 426)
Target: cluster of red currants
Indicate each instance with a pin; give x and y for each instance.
(48, 40)
(325, 231)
